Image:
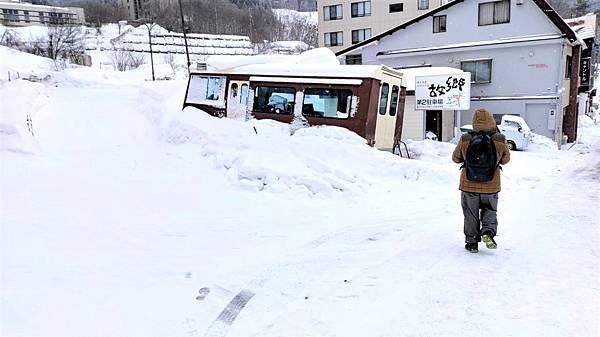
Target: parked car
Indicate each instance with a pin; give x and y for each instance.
(516, 130)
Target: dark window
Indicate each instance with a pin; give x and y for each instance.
(42, 17)
(399, 7)
(360, 35)
(439, 24)
(568, 66)
(333, 12)
(11, 15)
(274, 100)
(354, 59)
(360, 9)
(481, 70)
(331, 103)
(334, 39)
(383, 99)
(394, 101)
(492, 13)
(26, 15)
(422, 4)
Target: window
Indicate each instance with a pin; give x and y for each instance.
(498, 119)
(394, 8)
(213, 88)
(42, 18)
(481, 70)
(244, 94)
(568, 66)
(360, 35)
(11, 15)
(331, 103)
(394, 102)
(492, 13)
(334, 39)
(383, 99)
(333, 12)
(422, 4)
(26, 15)
(439, 24)
(274, 100)
(354, 59)
(359, 9)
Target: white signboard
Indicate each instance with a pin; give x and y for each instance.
(443, 92)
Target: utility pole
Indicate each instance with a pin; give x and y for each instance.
(149, 25)
(187, 54)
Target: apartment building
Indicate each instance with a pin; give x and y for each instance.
(343, 23)
(18, 13)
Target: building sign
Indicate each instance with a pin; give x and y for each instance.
(443, 92)
(585, 71)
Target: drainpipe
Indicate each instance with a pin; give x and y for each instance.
(559, 110)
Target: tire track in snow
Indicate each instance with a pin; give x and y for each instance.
(220, 327)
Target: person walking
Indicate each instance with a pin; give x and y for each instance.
(481, 152)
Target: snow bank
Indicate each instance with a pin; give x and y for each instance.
(15, 64)
(262, 155)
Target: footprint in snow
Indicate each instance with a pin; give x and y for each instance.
(203, 293)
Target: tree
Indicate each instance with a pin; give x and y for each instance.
(582, 7)
(100, 12)
(64, 42)
(562, 7)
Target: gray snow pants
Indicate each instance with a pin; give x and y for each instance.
(479, 207)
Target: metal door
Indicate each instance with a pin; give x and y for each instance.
(237, 99)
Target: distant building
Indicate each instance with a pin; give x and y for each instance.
(136, 9)
(20, 13)
(343, 23)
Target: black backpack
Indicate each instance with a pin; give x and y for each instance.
(481, 161)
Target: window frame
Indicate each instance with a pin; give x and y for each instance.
(364, 9)
(568, 66)
(356, 59)
(391, 10)
(493, 3)
(358, 31)
(422, 5)
(383, 105)
(474, 75)
(338, 15)
(348, 107)
(208, 80)
(394, 102)
(339, 42)
(439, 17)
(263, 109)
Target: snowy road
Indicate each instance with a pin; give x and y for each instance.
(108, 230)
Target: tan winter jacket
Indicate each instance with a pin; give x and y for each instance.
(482, 121)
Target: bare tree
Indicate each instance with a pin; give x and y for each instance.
(9, 39)
(136, 60)
(64, 42)
(562, 7)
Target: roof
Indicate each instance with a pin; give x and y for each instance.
(285, 69)
(411, 73)
(473, 44)
(318, 62)
(554, 17)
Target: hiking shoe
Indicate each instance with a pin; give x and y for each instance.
(471, 247)
(489, 241)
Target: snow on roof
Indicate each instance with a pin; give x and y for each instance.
(475, 44)
(411, 73)
(171, 42)
(585, 32)
(319, 62)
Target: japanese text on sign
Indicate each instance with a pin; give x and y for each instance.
(443, 92)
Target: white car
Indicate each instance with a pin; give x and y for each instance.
(516, 130)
